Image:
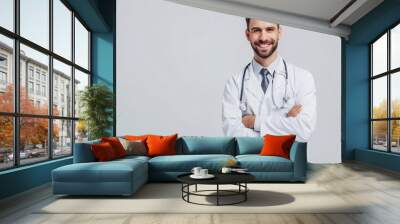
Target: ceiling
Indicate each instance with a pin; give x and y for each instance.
(326, 16)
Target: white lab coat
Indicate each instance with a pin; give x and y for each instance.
(269, 118)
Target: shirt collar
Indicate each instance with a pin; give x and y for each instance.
(271, 68)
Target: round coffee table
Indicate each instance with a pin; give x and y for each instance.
(238, 179)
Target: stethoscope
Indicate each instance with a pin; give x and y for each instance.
(243, 105)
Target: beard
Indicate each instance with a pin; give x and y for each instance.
(265, 54)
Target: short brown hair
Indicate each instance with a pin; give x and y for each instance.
(248, 23)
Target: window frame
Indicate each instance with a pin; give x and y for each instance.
(16, 114)
(388, 74)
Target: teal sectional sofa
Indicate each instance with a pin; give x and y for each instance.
(125, 176)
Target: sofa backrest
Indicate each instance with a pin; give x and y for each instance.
(83, 152)
(249, 145)
(192, 145)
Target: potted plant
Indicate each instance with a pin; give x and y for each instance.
(96, 102)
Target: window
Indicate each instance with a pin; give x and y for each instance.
(6, 73)
(3, 78)
(7, 14)
(62, 137)
(62, 29)
(385, 91)
(6, 142)
(62, 75)
(30, 72)
(3, 61)
(44, 131)
(81, 45)
(38, 74)
(30, 87)
(38, 89)
(43, 90)
(35, 21)
(43, 77)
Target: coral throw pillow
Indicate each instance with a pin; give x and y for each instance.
(116, 145)
(103, 152)
(161, 145)
(277, 145)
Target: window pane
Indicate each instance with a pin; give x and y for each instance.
(62, 138)
(395, 94)
(81, 45)
(81, 81)
(7, 14)
(6, 74)
(379, 135)
(35, 21)
(62, 89)
(62, 29)
(6, 142)
(395, 136)
(81, 131)
(379, 97)
(33, 139)
(379, 55)
(34, 79)
(395, 47)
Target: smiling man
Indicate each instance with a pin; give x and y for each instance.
(270, 95)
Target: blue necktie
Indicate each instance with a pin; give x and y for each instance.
(264, 83)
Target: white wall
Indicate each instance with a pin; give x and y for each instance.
(173, 62)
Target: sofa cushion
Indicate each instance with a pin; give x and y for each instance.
(194, 145)
(185, 163)
(249, 145)
(111, 171)
(135, 147)
(257, 163)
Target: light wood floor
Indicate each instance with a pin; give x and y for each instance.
(378, 188)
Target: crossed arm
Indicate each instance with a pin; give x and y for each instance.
(300, 119)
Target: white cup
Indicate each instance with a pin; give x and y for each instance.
(226, 170)
(203, 172)
(196, 171)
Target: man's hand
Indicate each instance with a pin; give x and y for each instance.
(248, 121)
(294, 111)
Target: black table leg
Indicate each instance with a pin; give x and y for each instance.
(196, 188)
(217, 194)
(245, 193)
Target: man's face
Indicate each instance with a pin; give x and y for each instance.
(263, 37)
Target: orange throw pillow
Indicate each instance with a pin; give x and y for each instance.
(116, 145)
(161, 145)
(103, 152)
(277, 145)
